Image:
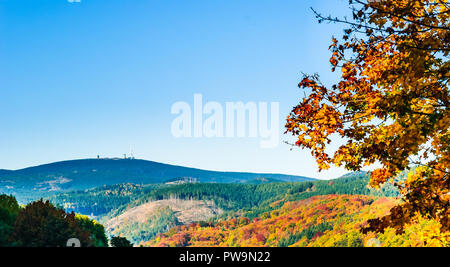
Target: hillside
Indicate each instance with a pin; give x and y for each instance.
(324, 221)
(3, 172)
(102, 200)
(145, 221)
(35, 182)
(255, 199)
(230, 197)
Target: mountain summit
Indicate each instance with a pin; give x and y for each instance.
(89, 173)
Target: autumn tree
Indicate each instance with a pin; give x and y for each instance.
(389, 109)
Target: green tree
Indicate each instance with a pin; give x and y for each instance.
(120, 242)
(8, 212)
(96, 230)
(40, 224)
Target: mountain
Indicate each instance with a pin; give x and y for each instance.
(263, 181)
(3, 172)
(89, 173)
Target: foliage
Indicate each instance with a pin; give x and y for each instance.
(8, 212)
(390, 106)
(161, 221)
(308, 233)
(96, 230)
(229, 196)
(41, 224)
(102, 200)
(120, 242)
(322, 221)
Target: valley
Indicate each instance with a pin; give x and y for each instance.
(141, 212)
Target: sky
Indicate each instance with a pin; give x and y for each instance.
(92, 78)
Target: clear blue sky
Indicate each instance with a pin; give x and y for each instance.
(89, 78)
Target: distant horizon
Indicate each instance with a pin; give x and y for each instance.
(172, 164)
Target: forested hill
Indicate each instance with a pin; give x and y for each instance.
(140, 212)
(3, 172)
(89, 173)
(254, 198)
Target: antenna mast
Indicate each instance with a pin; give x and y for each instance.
(131, 152)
